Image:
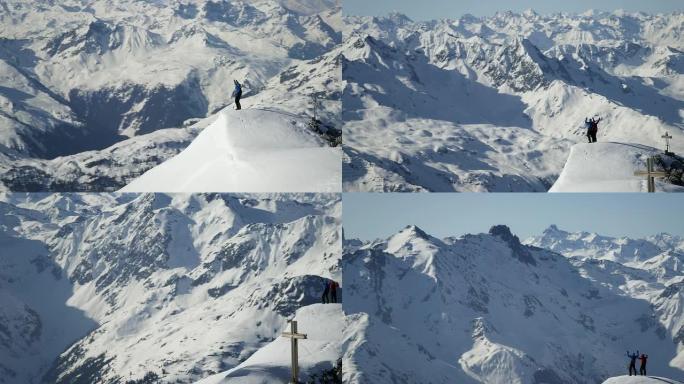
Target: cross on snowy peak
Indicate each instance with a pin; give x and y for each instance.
(294, 337)
(667, 138)
(650, 174)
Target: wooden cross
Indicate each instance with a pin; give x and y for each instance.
(294, 336)
(667, 138)
(650, 174)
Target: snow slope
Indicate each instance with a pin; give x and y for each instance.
(100, 75)
(105, 288)
(438, 312)
(322, 323)
(497, 103)
(649, 269)
(640, 380)
(608, 167)
(249, 151)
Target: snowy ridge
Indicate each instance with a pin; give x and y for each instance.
(180, 286)
(249, 150)
(614, 172)
(449, 316)
(323, 325)
(113, 73)
(496, 104)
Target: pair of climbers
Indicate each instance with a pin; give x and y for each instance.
(632, 363)
(330, 292)
(592, 128)
(237, 94)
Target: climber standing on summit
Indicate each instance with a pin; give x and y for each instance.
(326, 293)
(632, 362)
(588, 126)
(592, 128)
(642, 368)
(237, 93)
(333, 291)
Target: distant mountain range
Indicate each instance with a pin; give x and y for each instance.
(94, 93)
(496, 103)
(104, 288)
(561, 307)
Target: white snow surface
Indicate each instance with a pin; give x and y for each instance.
(109, 287)
(322, 323)
(497, 103)
(608, 167)
(437, 311)
(640, 380)
(96, 92)
(250, 150)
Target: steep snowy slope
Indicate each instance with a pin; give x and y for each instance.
(118, 165)
(104, 288)
(323, 324)
(650, 269)
(496, 104)
(249, 151)
(438, 312)
(614, 172)
(102, 72)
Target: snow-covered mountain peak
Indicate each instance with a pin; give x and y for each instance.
(653, 252)
(91, 80)
(414, 245)
(458, 318)
(137, 273)
(434, 86)
(519, 251)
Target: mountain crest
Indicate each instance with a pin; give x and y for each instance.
(520, 251)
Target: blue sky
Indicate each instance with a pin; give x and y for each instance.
(370, 216)
(436, 9)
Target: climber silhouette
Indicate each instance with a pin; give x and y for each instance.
(333, 291)
(325, 298)
(632, 362)
(592, 128)
(642, 368)
(237, 93)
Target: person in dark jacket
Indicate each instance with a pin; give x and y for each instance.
(333, 291)
(632, 362)
(642, 368)
(588, 125)
(237, 93)
(326, 293)
(593, 129)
